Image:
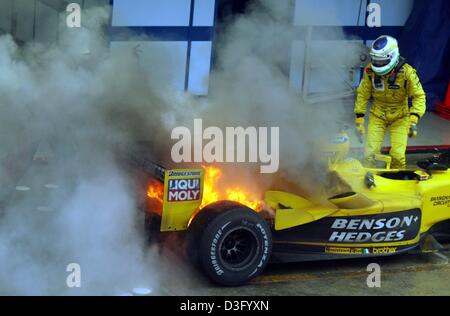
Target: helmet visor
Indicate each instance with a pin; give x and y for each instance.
(380, 62)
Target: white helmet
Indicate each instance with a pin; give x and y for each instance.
(384, 54)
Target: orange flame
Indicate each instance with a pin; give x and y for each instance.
(155, 191)
(212, 191)
(210, 194)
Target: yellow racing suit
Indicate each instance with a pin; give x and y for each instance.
(390, 109)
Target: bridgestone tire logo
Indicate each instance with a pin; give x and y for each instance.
(212, 252)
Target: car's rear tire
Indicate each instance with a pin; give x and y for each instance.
(231, 244)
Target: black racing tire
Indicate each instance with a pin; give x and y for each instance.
(196, 228)
(234, 243)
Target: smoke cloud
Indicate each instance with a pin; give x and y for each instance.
(250, 86)
(72, 104)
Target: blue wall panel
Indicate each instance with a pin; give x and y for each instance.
(394, 12)
(189, 22)
(151, 13)
(328, 12)
(204, 12)
(163, 62)
(199, 68)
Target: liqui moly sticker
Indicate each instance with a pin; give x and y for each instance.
(183, 190)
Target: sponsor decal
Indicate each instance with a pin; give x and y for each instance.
(183, 190)
(441, 200)
(394, 87)
(344, 250)
(363, 229)
(377, 230)
(173, 173)
(361, 251)
(383, 250)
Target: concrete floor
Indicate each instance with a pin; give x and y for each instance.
(433, 130)
(405, 275)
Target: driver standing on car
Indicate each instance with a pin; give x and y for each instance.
(390, 82)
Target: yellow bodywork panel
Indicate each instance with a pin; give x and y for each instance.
(183, 192)
(435, 194)
(292, 210)
(275, 199)
(287, 218)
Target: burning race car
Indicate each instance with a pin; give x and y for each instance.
(377, 212)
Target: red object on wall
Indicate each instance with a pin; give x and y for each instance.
(447, 98)
(443, 108)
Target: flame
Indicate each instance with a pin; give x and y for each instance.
(212, 193)
(211, 177)
(155, 191)
(243, 197)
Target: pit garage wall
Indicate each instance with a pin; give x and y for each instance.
(336, 24)
(29, 20)
(181, 28)
(186, 28)
(38, 20)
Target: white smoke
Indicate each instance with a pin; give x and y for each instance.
(79, 101)
(73, 104)
(250, 86)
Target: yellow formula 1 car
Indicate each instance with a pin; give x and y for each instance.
(377, 212)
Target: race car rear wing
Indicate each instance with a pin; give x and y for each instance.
(136, 158)
(146, 165)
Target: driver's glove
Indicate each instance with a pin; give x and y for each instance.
(360, 128)
(413, 120)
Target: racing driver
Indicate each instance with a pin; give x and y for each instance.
(390, 82)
